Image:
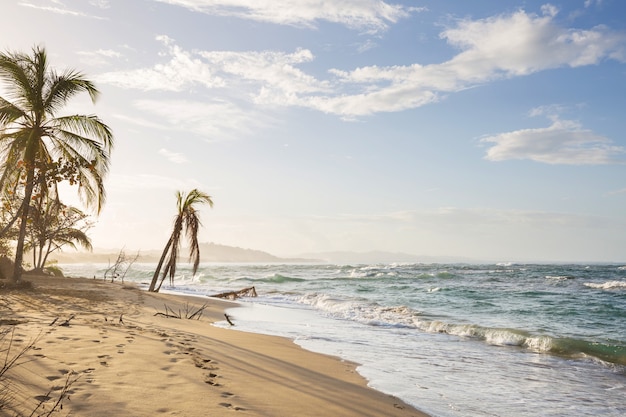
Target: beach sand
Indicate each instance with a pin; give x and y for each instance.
(122, 357)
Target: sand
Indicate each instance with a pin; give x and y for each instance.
(121, 356)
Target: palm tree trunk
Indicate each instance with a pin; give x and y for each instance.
(155, 277)
(19, 250)
(165, 272)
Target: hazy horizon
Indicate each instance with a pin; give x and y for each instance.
(364, 257)
(479, 130)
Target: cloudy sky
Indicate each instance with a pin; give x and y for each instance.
(482, 129)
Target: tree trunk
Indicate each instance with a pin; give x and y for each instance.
(155, 277)
(46, 254)
(8, 226)
(165, 272)
(19, 250)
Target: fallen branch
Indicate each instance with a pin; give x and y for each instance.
(190, 313)
(232, 295)
(66, 323)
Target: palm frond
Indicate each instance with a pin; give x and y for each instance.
(65, 86)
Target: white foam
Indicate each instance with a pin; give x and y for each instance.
(609, 285)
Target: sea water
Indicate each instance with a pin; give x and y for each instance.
(452, 340)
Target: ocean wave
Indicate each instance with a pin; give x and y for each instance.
(278, 279)
(614, 352)
(559, 277)
(609, 285)
(369, 313)
(361, 311)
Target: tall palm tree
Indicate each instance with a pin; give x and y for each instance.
(189, 220)
(39, 148)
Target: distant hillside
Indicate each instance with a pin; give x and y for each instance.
(213, 252)
(209, 252)
(381, 257)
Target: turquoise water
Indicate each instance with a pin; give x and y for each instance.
(453, 340)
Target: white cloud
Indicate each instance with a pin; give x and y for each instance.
(616, 192)
(174, 157)
(182, 70)
(589, 3)
(275, 72)
(102, 4)
(494, 48)
(563, 142)
(109, 53)
(368, 15)
(522, 43)
(98, 57)
(61, 9)
(498, 47)
(215, 121)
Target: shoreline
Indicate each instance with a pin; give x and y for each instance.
(125, 357)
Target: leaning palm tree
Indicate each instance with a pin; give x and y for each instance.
(189, 220)
(39, 148)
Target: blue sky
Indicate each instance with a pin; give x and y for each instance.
(480, 129)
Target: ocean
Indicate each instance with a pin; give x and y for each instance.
(452, 340)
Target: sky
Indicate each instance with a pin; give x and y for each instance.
(477, 129)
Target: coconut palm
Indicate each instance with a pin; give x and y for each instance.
(189, 220)
(38, 147)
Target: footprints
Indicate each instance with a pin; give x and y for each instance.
(180, 347)
(210, 379)
(104, 359)
(228, 395)
(229, 405)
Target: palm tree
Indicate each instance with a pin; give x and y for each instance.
(52, 226)
(39, 148)
(189, 220)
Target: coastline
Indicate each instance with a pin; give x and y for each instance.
(124, 357)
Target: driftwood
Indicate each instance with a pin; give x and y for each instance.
(189, 312)
(66, 323)
(232, 295)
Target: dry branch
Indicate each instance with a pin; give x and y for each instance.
(189, 312)
(232, 295)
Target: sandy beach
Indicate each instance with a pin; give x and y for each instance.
(120, 354)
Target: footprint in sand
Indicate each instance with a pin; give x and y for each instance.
(209, 379)
(229, 405)
(202, 363)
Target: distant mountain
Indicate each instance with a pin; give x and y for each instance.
(381, 257)
(209, 252)
(213, 252)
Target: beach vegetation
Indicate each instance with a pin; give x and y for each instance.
(121, 266)
(187, 220)
(53, 225)
(11, 359)
(188, 312)
(39, 148)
